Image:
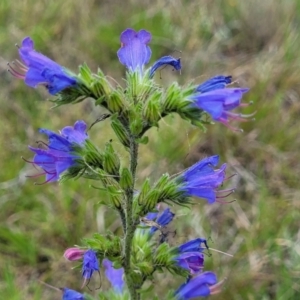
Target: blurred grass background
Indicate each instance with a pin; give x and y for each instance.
(257, 42)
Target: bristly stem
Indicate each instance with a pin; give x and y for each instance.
(130, 226)
(123, 219)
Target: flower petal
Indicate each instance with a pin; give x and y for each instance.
(214, 83)
(163, 61)
(134, 52)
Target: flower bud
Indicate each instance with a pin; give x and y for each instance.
(120, 132)
(126, 179)
(115, 102)
(150, 201)
(151, 109)
(92, 155)
(111, 161)
(144, 191)
(101, 85)
(73, 254)
(172, 98)
(136, 124)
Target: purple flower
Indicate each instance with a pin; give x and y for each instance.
(69, 294)
(191, 261)
(115, 276)
(165, 60)
(163, 220)
(37, 69)
(90, 264)
(202, 285)
(212, 97)
(59, 155)
(193, 246)
(214, 83)
(202, 180)
(135, 52)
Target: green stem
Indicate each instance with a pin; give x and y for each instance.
(123, 218)
(130, 225)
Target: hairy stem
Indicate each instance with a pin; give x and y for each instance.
(130, 225)
(123, 219)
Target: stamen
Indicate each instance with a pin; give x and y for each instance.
(225, 196)
(236, 117)
(86, 284)
(50, 286)
(20, 65)
(215, 289)
(227, 178)
(34, 176)
(46, 180)
(225, 202)
(225, 122)
(98, 288)
(28, 161)
(14, 72)
(232, 190)
(43, 143)
(221, 252)
(246, 104)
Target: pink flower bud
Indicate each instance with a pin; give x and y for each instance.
(74, 254)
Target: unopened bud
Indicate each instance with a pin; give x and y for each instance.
(74, 254)
(149, 202)
(120, 132)
(136, 125)
(151, 109)
(126, 180)
(144, 191)
(111, 161)
(172, 98)
(115, 102)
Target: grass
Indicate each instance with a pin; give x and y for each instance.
(255, 41)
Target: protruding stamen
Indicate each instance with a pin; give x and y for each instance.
(50, 286)
(36, 175)
(221, 252)
(246, 104)
(46, 180)
(15, 73)
(229, 177)
(216, 288)
(225, 202)
(225, 122)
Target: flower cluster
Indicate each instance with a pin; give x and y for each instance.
(130, 260)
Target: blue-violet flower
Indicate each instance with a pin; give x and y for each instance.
(162, 220)
(115, 276)
(69, 294)
(201, 285)
(218, 101)
(59, 155)
(214, 83)
(202, 180)
(135, 52)
(90, 264)
(193, 246)
(37, 69)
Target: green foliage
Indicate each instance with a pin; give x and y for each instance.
(106, 246)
